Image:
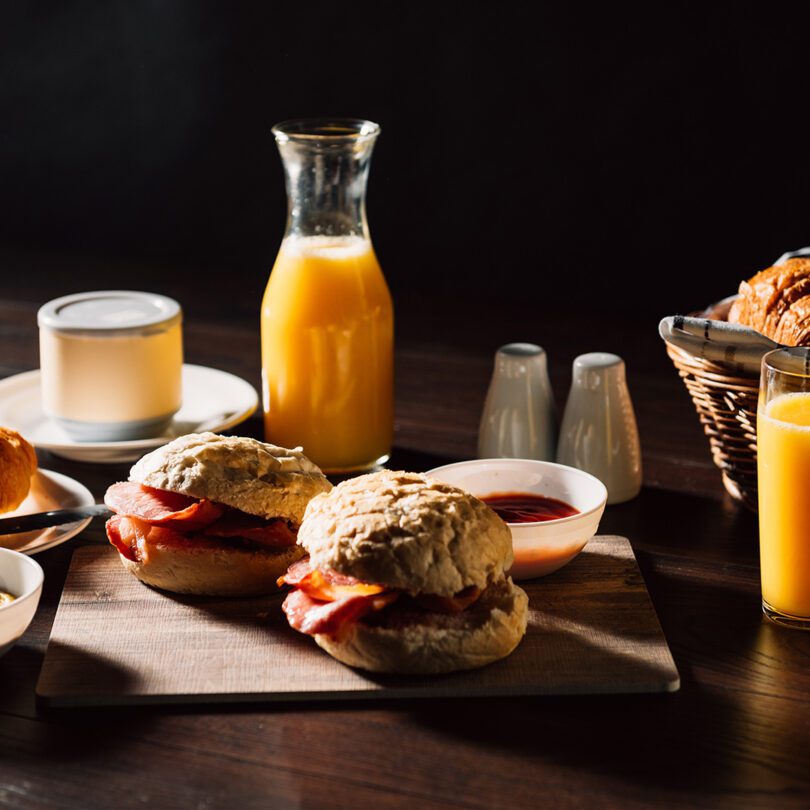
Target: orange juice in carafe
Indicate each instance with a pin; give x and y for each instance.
(327, 340)
(327, 318)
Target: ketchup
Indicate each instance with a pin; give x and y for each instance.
(523, 507)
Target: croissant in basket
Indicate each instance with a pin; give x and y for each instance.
(776, 302)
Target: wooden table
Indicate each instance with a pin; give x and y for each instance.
(737, 734)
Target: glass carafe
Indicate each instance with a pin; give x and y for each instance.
(327, 319)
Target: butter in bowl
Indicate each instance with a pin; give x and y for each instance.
(111, 364)
(551, 509)
(20, 588)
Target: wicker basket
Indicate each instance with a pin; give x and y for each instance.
(727, 407)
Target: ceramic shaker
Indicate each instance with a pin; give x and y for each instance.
(518, 419)
(599, 432)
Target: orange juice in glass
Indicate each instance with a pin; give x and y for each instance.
(327, 318)
(783, 459)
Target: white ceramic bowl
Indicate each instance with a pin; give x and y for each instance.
(545, 546)
(22, 577)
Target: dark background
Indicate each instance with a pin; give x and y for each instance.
(642, 162)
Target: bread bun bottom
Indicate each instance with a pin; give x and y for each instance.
(436, 643)
(223, 571)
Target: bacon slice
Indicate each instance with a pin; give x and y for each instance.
(310, 616)
(121, 541)
(326, 585)
(132, 537)
(296, 572)
(449, 604)
(274, 533)
(326, 602)
(161, 508)
(319, 585)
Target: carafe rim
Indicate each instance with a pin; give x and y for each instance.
(325, 130)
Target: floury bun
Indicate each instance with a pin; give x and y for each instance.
(213, 515)
(406, 574)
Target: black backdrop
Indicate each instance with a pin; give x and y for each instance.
(639, 161)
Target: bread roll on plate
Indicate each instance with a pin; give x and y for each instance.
(213, 515)
(18, 462)
(405, 575)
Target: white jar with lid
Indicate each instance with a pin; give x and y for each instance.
(111, 363)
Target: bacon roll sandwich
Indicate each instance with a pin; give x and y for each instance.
(213, 515)
(405, 574)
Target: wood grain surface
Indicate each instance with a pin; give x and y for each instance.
(736, 735)
(592, 629)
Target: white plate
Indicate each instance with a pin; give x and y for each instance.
(212, 400)
(49, 490)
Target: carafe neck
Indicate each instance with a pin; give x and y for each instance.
(326, 167)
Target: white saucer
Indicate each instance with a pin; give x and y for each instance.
(212, 400)
(49, 490)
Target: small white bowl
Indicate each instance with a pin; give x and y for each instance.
(22, 577)
(544, 546)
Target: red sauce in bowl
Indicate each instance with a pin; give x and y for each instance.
(524, 507)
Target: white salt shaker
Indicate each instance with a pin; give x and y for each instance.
(599, 432)
(518, 419)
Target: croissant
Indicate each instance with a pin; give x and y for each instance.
(776, 302)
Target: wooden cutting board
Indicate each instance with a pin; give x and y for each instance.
(592, 629)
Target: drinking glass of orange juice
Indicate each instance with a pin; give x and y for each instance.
(783, 453)
(327, 319)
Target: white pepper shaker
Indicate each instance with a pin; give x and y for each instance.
(518, 419)
(599, 432)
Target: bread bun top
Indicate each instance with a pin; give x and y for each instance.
(406, 530)
(247, 474)
(18, 461)
(776, 302)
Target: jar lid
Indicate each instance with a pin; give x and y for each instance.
(109, 312)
